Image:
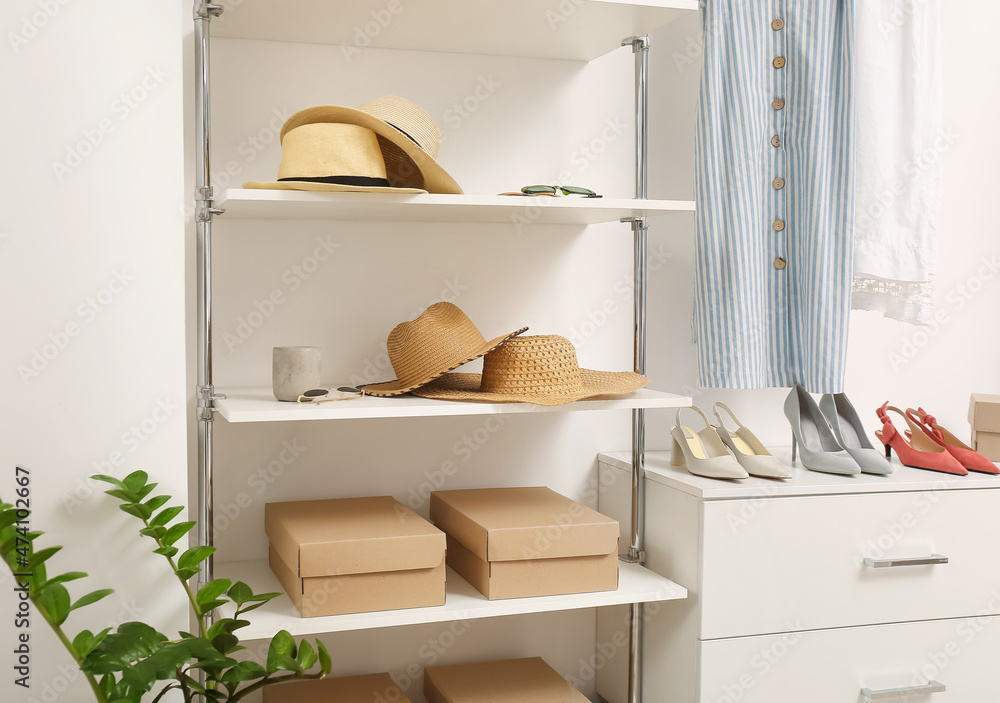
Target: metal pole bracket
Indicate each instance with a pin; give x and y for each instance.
(207, 10)
(637, 43)
(206, 401)
(204, 199)
(633, 556)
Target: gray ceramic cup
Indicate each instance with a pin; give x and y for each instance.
(294, 370)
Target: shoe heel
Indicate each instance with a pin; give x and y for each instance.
(794, 449)
(677, 455)
(888, 451)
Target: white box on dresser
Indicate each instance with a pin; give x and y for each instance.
(782, 605)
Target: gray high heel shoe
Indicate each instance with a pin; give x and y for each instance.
(848, 430)
(748, 450)
(812, 436)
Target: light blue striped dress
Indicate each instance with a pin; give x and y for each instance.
(774, 187)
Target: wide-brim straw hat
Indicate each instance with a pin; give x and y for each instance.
(541, 369)
(441, 339)
(407, 137)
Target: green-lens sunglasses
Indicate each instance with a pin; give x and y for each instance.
(566, 190)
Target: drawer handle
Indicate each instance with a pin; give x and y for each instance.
(931, 687)
(905, 561)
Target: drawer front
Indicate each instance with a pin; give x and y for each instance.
(832, 666)
(781, 564)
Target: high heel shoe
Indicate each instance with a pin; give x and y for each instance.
(813, 438)
(966, 455)
(847, 428)
(703, 453)
(748, 450)
(923, 453)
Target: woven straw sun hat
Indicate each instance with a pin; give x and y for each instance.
(541, 369)
(320, 151)
(441, 339)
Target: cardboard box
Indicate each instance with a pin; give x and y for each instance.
(346, 689)
(355, 555)
(510, 681)
(984, 417)
(523, 542)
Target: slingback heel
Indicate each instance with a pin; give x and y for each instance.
(703, 453)
(921, 452)
(748, 450)
(966, 455)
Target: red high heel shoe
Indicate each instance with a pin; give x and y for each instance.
(923, 453)
(966, 455)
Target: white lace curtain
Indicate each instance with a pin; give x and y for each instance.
(900, 144)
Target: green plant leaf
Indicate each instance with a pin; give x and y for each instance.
(225, 643)
(55, 602)
(307, 655)
(242, 672)
(137, 509)
(91, 598)
(136, 480)
(166, 515)
(165, 691)
(281, 653)
(108, 479)
(146, 490)
(212, 590)
(123, 495)
(157, 502)
(176, 531)
(240, 593)
(168, 552)
(8, 517)
(82, 642)
(92, 642)
(185, 574)
(195, 556)
(191, 683)
(325, 661)
(155, 531)
(62, 578)
(40, 557)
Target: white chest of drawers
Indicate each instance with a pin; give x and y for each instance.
(815, 588)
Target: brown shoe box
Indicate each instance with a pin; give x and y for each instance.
(355, 555)
(526, 541)
(984, 417)
(510, 681)
(346, 689)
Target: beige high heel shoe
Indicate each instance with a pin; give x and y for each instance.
(703, 453)
(748, 450)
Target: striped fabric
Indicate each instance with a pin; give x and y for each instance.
(774, 185)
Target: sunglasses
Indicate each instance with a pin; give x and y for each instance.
(554, 190)
(326, 395)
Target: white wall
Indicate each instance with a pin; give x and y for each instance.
(936, 367)
(91, 270)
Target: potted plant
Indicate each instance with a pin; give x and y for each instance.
(126, 665)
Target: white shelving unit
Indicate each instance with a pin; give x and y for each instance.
(581, 30)
(482, 209)
(463, 602)
(259, 405)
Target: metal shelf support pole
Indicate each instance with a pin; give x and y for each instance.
(640, 48)
(204, 212)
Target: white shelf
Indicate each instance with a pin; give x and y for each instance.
(803, 483)
(580, 30)
(259, 405)
(635, 585)
(248, 203)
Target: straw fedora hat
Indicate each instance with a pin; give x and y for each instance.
(320, 152)
(441, 339)
(541, 369)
